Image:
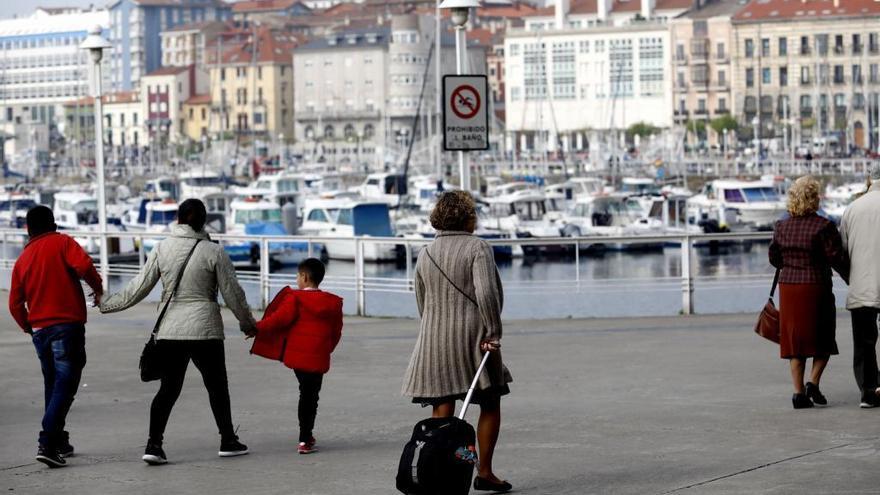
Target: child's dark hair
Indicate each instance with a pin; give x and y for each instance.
(314, 269)
(40, 220)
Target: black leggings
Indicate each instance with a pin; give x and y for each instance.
(210, 359)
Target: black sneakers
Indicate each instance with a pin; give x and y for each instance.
(232, 447)
(812, 391)
(50, 457)
(801, 401)
(154, 455)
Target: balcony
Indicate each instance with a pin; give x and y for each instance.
(700, 51)
(701, 112)
(722, 58)
(701, 86)
(336, 115)
(720, 86)
(681, 60)
(722, 111)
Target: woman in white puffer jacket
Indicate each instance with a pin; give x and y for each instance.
(192, 328)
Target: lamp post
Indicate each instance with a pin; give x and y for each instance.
(460, 12)
(96, 44)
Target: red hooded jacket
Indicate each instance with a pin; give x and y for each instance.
(300, 328)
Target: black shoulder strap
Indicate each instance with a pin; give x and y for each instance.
(775, 283)
(174, 289)
(465, 294)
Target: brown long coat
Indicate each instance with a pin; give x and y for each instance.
(447, 352)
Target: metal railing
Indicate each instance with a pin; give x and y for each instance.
(361, 284)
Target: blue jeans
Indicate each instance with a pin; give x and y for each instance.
(62, 352)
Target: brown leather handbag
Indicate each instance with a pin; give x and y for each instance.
(768, 321)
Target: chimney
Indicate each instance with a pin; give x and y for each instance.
(648, 8)
(561, 11)
(603, 8)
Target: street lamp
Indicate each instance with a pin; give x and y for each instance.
(96, 44)
(460, 10)
(756, 122)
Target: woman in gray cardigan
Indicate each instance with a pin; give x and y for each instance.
(192, 328)
(460, 319)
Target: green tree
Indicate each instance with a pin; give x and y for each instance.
(723, 122)
(698, 126)
(641, 129)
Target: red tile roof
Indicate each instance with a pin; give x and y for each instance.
(121, 97)
(168, 71)
(771, 10)
(198, 100)
(272, 47)
(517, 9)
(263, 5)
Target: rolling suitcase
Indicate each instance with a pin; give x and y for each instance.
(440, 457)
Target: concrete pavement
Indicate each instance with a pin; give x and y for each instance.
(689, 405)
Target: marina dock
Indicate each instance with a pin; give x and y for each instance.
(684, 405)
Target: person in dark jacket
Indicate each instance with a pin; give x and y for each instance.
(805, 248)
(47, 301)
(301, 328)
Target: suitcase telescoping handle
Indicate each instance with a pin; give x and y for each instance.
(470, 393)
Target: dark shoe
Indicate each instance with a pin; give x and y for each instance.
(232, 448)
(870, 402)
(488, 486)
(154, 455)
(64, 448)
(50, 457)
(307, 447)
(812, 391)
(801, 401)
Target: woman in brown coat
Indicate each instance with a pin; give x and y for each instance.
(805, 248)
(459, 297)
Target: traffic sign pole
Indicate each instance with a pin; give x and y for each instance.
(460, 56)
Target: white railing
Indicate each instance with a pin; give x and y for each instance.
(362, 284)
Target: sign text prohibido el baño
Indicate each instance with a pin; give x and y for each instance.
(465, 113)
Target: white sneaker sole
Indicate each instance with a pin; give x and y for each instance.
(235, 453)
(49, 462)
(154, 460)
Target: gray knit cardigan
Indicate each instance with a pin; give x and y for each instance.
(447, 352)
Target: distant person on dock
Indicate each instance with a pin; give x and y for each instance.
(301, 328)
(192, 329)
(860, 229)
(459, 297)
(47, 301)
(805, 248)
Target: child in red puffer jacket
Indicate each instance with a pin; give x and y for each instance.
(301, 328)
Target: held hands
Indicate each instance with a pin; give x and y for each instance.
(96, 299)
(490, 345)
(250, 334)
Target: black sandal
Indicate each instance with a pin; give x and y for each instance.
(489, 486)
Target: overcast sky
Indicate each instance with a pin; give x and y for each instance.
(22, 8)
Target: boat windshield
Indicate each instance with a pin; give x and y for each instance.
(86, 205)
(341, 216)
(162, 217)
(640, 188)
(202, 181)
(758, 194)
(255, 216)
(17, 204)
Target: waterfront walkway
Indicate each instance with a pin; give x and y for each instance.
(690, 405)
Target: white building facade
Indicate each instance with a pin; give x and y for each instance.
(563, 83)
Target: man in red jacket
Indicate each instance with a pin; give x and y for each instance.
(47, 301)
(301, 328)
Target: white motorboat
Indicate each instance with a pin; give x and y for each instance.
(349, 218)
(260, 217)
(732, 203)
(200, 183)
(612, 216)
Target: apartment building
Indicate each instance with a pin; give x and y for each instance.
(186, 44)
(263, 10)
(701, 43)
(123, 123)
(162, 95)
(809, 69)
(251, 84)
(135, 27)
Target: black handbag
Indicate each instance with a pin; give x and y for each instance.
(151, 359)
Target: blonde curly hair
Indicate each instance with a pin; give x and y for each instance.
(455, 210)
(803, 197)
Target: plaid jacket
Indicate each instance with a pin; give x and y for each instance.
(806, 249)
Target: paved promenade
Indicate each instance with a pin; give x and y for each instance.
(632, 406)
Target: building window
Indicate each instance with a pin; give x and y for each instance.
(722, 78)
(783, 47)
(783, 76)
(583, 46)
(750, 77)
(857, 44)
(822, 44)
(805, 75)
(679, 52)
(838, 44)
(765, 75)
(563, 70)
(805, 45)
(750, 48)
(515, 93)
(857, 74)
(651, 70)
(348, 132)
(535, 69)
(720, 50)
(600, 46)
(328, 132)
(722, 104)
(838, 74)
(765, 47)
(369, 131)
(873, 43)
(620, 55)
(701, 105)
(258, 118)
